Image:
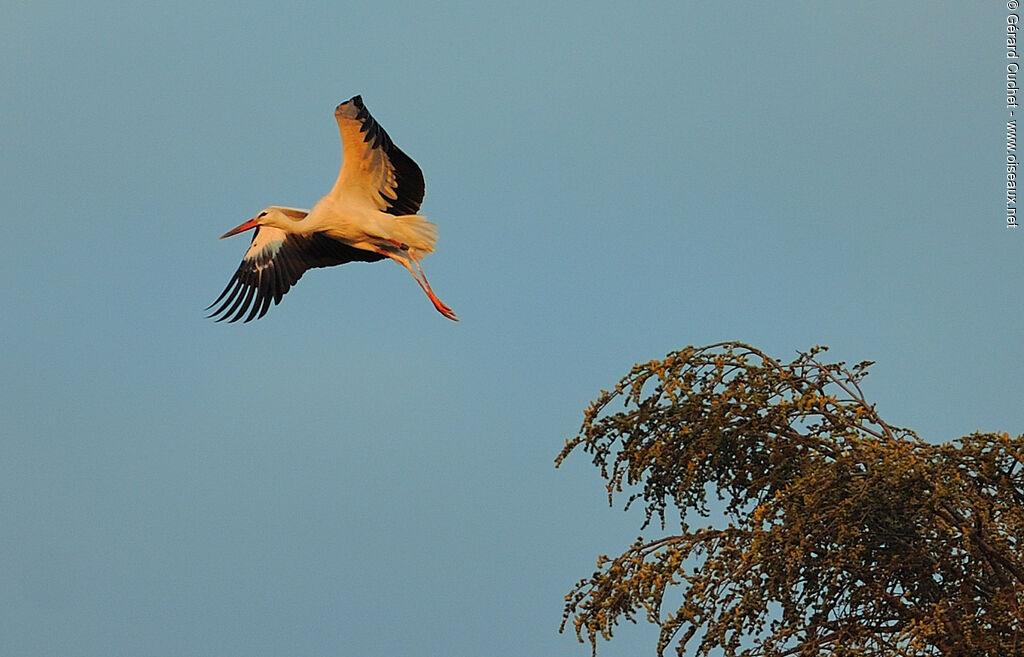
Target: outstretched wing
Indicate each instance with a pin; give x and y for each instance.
(373, 169)
(275, 261)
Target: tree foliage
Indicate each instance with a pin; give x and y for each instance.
(836, 533)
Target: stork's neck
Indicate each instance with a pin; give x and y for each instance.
(292, 220)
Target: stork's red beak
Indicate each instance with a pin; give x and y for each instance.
(241, 228)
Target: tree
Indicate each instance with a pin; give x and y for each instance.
(836, 533)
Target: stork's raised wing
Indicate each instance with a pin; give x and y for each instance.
(275, 261)
(373, 169)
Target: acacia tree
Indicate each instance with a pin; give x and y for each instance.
(836, 533)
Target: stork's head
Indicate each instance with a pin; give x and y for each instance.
(275, 216)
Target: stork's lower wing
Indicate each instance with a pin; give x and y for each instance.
(275, 261)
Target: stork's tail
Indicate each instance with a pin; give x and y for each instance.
(415, 231)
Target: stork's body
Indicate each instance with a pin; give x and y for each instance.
(369, 215)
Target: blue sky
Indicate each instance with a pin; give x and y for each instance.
(354, 474)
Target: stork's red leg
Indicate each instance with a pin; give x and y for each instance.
(421, 278)
(440, 305)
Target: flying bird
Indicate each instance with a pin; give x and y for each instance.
(369, 215)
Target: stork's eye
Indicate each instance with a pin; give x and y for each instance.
(262, 214)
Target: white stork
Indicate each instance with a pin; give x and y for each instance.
(369, 215)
